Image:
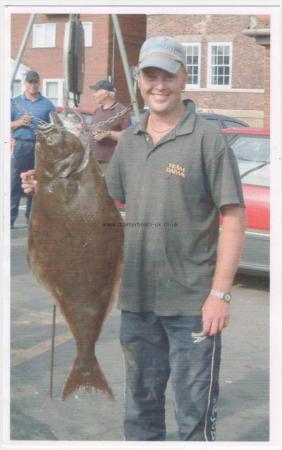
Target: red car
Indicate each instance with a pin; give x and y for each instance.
(252, 150)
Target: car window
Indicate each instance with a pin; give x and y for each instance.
(251, 148)
(259, 176)
(88, 118)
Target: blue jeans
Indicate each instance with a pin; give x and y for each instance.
(21, 161)
(156, 348)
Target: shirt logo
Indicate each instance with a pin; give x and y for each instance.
(176, 169)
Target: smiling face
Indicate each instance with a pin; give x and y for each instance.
(161, 90)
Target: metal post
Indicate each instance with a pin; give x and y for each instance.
(52, 350)
(113, 58)
(126, 67)
(22, 47)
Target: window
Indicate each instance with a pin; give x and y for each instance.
(17, 88)
(87, 26)
(252, 148)
(220, 65)
(193, 58)
(44, 35)
(54, 90)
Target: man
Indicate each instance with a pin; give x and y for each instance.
(106, 136)
(176, 174)
(27, 111)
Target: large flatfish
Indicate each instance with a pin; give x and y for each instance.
(75, 244)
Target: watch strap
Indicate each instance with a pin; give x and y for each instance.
(226, 296)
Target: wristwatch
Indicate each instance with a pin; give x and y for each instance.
(225, 296)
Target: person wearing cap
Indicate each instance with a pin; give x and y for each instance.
(27, 111)
(106, 136)
(176, 175)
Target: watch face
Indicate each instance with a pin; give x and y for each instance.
(227, 298)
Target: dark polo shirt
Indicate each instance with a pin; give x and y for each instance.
(173, 191)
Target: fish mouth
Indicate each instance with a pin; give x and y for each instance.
(45, 133)
(55, 123)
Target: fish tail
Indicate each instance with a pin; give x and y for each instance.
(89, 378)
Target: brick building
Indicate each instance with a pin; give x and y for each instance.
(226, 66)
(261, 32)
(44, 51)
(228, 70)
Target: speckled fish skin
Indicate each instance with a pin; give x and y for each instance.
(75, 244)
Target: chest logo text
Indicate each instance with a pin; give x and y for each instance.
(176, 169)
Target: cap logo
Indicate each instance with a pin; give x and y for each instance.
(164, 52)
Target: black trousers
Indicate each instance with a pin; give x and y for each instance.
(156, 348)
(21, 161)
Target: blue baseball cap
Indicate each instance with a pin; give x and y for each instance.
(163, 52)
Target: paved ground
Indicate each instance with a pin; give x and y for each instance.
(243, 405)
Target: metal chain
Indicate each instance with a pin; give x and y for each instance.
(93, 127)
(23, 110)
(101, 124)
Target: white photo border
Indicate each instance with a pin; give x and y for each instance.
(274, 9)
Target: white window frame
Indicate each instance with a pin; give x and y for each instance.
(88, 33)
(19, 77)
(21, 83)
(43, 43)
(60, 82)
(209, 74)
(194, 44)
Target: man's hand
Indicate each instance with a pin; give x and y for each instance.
(22, 122)
(25, 120)
(28, 181)
(215, 312)
(215, 315)
(99, 135)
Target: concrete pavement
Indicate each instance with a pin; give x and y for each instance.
(243, 405)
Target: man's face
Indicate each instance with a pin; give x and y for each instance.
(161, 90)
(32, 87)
(100, 96)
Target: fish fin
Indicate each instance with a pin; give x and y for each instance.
(116, 286)
(89, 378)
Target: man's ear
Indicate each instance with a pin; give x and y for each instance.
(185, 76)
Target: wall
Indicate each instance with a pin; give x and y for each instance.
(245, 99)
(98, 58)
